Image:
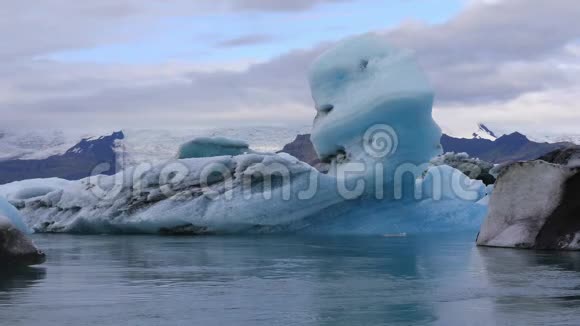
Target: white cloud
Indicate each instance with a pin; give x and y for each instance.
(513, 62)
(32, 28)
(547, 112)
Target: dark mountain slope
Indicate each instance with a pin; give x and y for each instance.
(77, 163)
(513, 147)
(507, 148)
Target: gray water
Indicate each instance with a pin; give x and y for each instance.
(424, 280)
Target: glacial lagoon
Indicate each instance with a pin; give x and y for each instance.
(434, 279)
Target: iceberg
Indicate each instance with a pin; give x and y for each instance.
(374, 126)
(211, 147)
(373, 103)
(11, 214)
(206, 195)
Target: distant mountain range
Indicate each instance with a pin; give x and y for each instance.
(485, 145)
(88, 156)
(512, 147)
(50, 153)
(44, 155)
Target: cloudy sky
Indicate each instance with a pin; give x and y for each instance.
(182, 64)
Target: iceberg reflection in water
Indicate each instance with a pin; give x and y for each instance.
(437, 279)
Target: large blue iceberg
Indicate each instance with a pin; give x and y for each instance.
(363, 83)
(374, 126)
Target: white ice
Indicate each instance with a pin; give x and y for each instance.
(9, 213)
(371, 98)
(374, 110)
(211, 147)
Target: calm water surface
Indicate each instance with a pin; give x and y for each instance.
(424, 280)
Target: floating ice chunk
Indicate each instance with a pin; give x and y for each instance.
(9, 212)
(211, 147)
(444, 182)
(374, 105)
(203, 195)
(26, 189)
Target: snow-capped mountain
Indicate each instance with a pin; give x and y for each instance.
(483, 132)
(21, 149)
(30, 145)
(90, 155)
